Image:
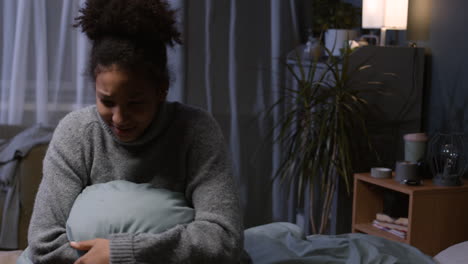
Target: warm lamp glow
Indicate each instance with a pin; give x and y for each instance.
(385, 14)
(373, 13)
(396, 14)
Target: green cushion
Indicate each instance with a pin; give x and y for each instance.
(125, 207)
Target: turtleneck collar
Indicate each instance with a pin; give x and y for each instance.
(154, 130)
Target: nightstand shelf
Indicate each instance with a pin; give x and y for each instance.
(437, 215)
(371, 230)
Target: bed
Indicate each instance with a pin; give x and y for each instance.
(276, 243)
(284, 243)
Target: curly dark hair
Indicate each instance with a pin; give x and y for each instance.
(131, 35)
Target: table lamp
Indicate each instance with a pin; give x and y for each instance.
(384, 14)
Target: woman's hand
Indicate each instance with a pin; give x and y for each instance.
(98, 251)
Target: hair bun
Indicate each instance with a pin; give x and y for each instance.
(144, 20)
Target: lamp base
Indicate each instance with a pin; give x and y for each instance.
(383, 37)
(371, 39)
(447, 181)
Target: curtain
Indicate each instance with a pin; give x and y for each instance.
(231, 64)
(235, 54)
(43, 59)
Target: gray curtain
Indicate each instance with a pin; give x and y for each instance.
(234, 67)
(231, 63)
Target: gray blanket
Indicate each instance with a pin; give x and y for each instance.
(11, 152)
(286, 244)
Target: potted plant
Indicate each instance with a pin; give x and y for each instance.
(338, 20)
(317, 130)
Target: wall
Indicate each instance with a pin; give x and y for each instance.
(446, 92)
(440, 27)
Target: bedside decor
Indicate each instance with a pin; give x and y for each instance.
(415, 146)
(447, 158)
(381, 173)
(406, 171)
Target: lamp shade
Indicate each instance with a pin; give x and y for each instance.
(390, 14)
(373, 13)
(396, 14)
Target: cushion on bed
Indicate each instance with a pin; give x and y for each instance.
(455, 254)
(125, 207)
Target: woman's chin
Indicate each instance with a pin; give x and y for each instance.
(126, 139)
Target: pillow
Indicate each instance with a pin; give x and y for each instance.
(125, 207)
(454, 254)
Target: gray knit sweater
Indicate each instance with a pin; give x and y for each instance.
(183, 150)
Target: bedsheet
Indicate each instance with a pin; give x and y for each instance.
(285, 243)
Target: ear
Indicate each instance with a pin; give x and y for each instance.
(162, 93)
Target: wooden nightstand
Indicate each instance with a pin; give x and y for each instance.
(437, 216)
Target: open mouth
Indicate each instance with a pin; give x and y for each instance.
(123, 131)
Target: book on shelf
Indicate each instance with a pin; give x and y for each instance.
(398, 233)
(392, 226)
(391, 220)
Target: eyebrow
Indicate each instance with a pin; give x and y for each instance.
(136, 96)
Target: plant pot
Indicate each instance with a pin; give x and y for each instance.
(335, 39)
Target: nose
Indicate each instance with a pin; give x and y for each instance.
(120, 116)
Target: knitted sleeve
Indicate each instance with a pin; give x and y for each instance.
(63, 173)
(216, 234)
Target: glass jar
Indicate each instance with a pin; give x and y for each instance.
(447, 158)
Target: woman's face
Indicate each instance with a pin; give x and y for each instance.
(127, 104)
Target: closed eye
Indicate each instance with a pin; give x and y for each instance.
(107, 103)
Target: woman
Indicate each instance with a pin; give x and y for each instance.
(133, 134)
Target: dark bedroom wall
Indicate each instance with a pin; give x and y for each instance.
(446, 99)
(441, 27)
